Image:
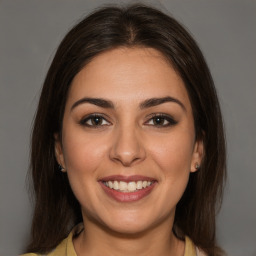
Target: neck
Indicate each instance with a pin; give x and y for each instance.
(98, 240)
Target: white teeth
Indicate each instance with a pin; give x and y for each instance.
(139, 184)
(116, 185)
(131, 186)
(144, 184)
(122, 186)
(110, 184)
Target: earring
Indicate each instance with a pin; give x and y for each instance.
(197, 166)
(62, 169)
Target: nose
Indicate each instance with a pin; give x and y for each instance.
(127, 147)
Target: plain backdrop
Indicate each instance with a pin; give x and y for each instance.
(30, 32)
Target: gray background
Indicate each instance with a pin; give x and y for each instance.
(31, 30)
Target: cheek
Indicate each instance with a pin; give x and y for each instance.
(83, 157)
(173, 154)
(82, 152)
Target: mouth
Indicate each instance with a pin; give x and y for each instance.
(127, 188)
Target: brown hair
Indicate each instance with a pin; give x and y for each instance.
(56, 208)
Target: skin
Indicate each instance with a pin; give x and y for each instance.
(128, 141)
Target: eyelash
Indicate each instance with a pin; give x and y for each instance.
(162, 117)
(90, 118)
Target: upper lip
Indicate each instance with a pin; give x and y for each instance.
(127, 178)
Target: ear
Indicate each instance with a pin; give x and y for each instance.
(197, 157)
(59, 152)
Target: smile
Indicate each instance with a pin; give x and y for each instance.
(127, 189)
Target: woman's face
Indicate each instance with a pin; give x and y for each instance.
(128, 140)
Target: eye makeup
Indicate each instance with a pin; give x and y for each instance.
(158, 120)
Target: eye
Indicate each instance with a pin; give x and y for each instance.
(161, 120)
(94, 121)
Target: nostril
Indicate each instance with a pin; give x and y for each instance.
(127, 148)
(126, 160)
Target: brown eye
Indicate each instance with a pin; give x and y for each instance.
(161, 120)
(94, 121)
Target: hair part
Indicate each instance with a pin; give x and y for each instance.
(56, 208)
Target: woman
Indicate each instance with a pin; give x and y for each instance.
(128, 149)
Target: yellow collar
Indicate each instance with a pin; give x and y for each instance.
(66, 247)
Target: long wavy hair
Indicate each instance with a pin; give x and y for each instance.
(56, 210)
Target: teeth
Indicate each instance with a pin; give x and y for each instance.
(127, 186)
(116, 185)
(144, 184)
(122, 186)
(132, 186)
(110, 184)
(139, 184)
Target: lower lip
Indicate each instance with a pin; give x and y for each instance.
(127, 196)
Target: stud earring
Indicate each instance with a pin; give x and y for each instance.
(197, 166)
(62, 169)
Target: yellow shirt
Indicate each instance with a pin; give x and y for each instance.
(66, 247)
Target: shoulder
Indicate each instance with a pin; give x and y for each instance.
(65, 248)
(30, 254)
(191, 249)
(60, 250)
(200, 252)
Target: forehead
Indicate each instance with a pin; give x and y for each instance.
(127, 75)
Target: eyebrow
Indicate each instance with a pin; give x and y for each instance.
(157, 101)
(145, 104)
(95, 101)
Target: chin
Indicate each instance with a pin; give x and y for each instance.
(122, 223)
(128, 229)
(131, 224)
